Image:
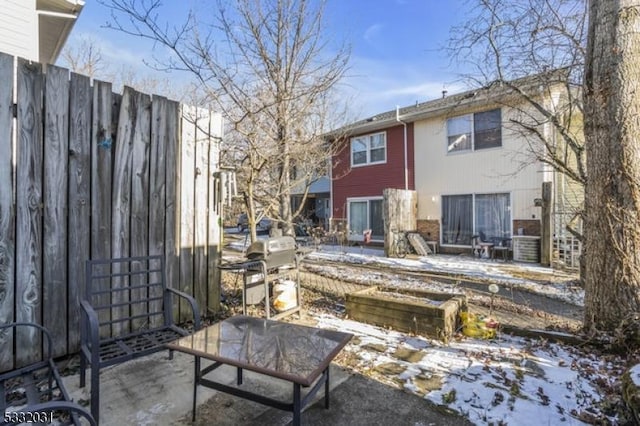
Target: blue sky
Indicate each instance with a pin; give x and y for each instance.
(396, 46)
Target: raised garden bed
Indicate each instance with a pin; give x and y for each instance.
(421, 312)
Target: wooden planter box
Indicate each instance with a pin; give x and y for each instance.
(421, 312)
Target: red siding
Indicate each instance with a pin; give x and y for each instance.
(370, 181)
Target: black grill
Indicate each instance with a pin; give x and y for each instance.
(275, 252)
(268, 260)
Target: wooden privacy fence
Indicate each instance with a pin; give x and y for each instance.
(87, 173)
(400, 212)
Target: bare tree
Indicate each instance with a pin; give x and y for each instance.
(542, 42)
(612, 103)
(269, 68)
(84, 56)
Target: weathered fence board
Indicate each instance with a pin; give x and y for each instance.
(187, 203)
(157, 191)
(102, 137)
(7, 212)
(79, 243)
(172, 226)
(108, 176)
(140, 177)
(140, 200)
(28, 296)
(121, 204)
(54, 235)
(157, 177)
(214, 250)
(201, 199)
(400, 209)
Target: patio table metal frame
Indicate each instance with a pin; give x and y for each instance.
(291, 352)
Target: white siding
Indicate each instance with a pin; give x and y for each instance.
(507, 169)
(19, 28)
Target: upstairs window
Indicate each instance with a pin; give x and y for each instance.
(487, 129)
(475, 131)
(459, 131)
(369, 149)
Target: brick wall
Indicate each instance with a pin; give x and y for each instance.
(529, 226)
(429, 229)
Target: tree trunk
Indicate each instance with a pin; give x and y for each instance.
(285, 177)
(285, 198)
(612, 132)
(249, 201)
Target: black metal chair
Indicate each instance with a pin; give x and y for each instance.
(127, 314)
(503, 247)
(35, 393)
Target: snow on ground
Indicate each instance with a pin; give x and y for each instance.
(531, 277)
(504, 381)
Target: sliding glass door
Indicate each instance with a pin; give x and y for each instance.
(366, 214)
(457, 219)
(493, 215)
(466, 215)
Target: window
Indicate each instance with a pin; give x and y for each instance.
(459, 133)
(493, 215)
(475, 131)
(457, 219)
(369, 149)
(487, 128)
(463, 216)
(366, 214)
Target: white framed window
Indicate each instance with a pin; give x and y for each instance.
(369, 149)
(487, 215)
(472, 132)
(365, 213)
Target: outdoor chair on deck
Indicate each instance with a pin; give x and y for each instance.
(502, 247)
(481, 245)
(475, 245)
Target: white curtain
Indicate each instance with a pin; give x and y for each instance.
(493, 216)
(457, 219)
(357, 216)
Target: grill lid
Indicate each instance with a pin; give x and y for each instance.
(263, 249)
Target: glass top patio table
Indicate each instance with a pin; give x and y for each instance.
(287, 351)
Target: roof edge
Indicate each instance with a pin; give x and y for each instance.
(491, 92)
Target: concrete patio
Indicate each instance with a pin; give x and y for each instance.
(157, 391)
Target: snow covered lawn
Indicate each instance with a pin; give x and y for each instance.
(549, 282)
(503, 381)
(507, 380)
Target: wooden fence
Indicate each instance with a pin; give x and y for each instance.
(87, 173)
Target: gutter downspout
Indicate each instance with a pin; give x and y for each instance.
(406, 169)
(329, 215)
